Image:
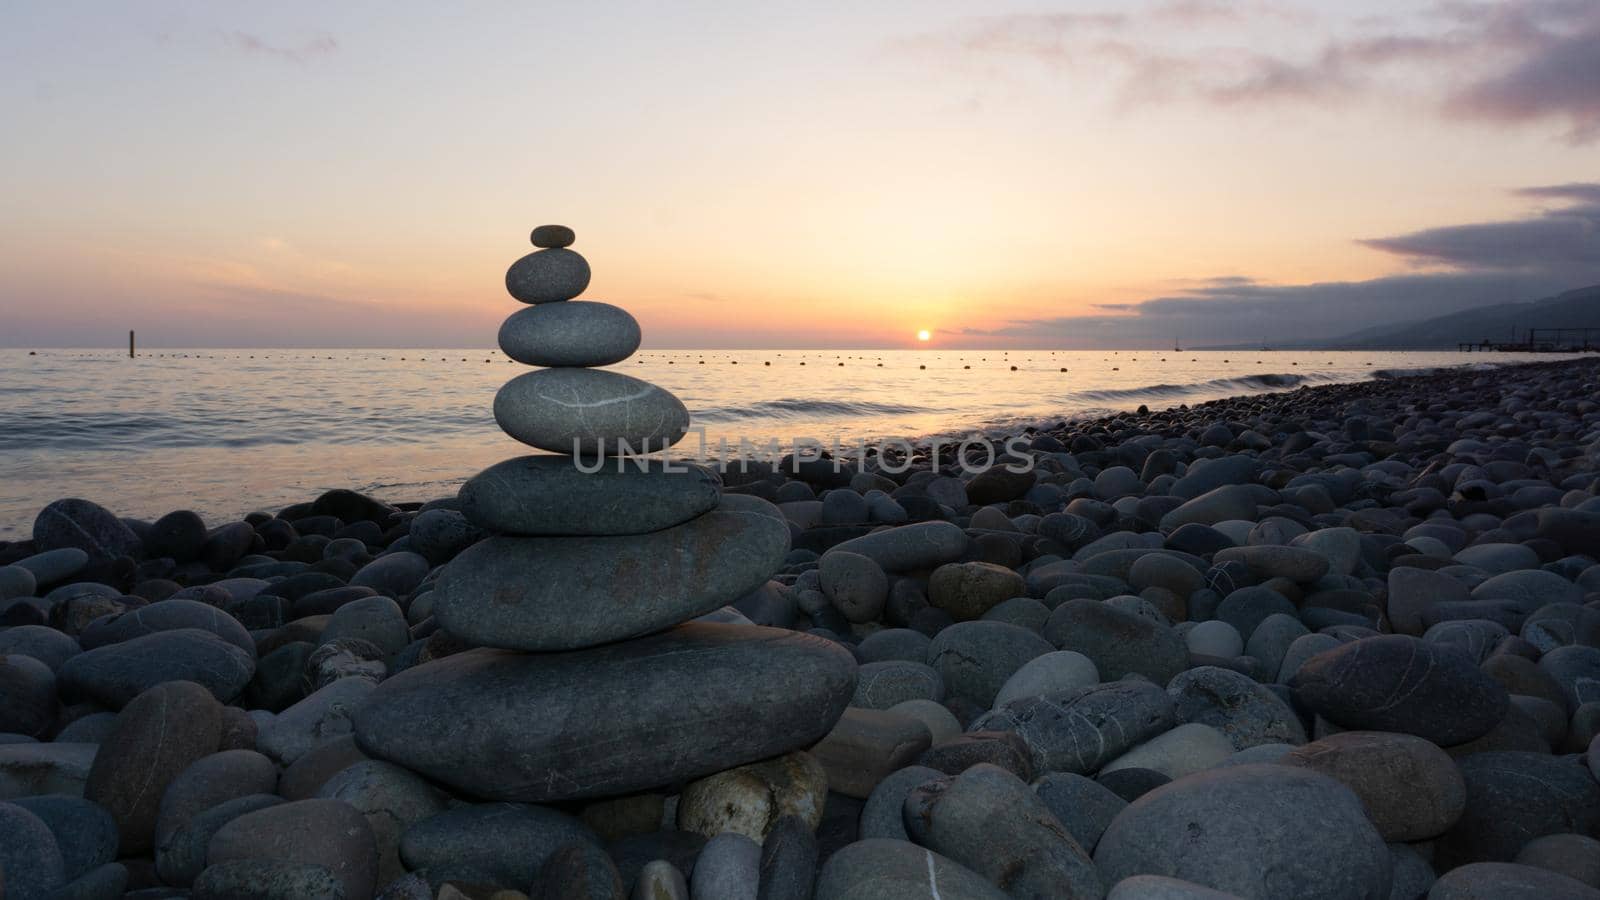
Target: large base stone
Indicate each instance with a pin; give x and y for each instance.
(609, 720)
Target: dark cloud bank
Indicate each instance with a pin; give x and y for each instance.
(1467, 266)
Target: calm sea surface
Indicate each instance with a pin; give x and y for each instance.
(224, 432)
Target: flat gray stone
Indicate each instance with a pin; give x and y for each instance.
(1208, 474)
(562, 593)
(82, 525)
(85, 832)
(1498, 558)
(549, 495)
(41, 642)
(1234, 501)
(1082, 730)
(324, 833)
(1117, 642)
(104, 881)
(490, 843)
(1247, 712)
(1054, 672)
(1188, 748)
(975, 659)
(1256, 831)
(1577, 669)
(968, 590)
(1528, 589)
(788, 861)
(908, 548)
(116, 673)
(589, 412)
(391, 799)
(1412, 789)
(320, 718)
(15, 581)
(156, 737)
(728, 868)
(30, 861)
(1576, 856)
(882, 685)
(267, 879)
(1514, 797)
(53, 566)
(439, 534)
(377, 620)
(854, 584)
(679, 705)
(1401, 683)
(580, 333)
(1085, 806)
(181, 857)
(991, 821)
(1273, 561)
(885, 869)
(1508, 881)
(166, 615)
(208, 781)
(394, 574)
(883, 815)
(29, 691)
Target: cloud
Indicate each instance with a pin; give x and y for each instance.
(1581, 191)
(1469, 265)
(1277, 314)
(1560, 240)
(1558, 78)
(320, 45)
(1050, 38)
(1518, 62)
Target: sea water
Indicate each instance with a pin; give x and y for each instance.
(224, 432)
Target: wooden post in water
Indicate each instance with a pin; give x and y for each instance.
(130, 343)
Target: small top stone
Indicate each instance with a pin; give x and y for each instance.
(551, 236)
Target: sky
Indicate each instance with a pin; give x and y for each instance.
(778, 174)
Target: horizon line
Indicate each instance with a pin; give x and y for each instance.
(120, 348)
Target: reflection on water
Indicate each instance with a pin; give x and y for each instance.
(227, 431)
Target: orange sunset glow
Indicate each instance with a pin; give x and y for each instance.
(313, 175)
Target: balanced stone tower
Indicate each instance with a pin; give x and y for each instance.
(588, 678)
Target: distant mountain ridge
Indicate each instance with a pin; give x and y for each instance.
(1496, 323)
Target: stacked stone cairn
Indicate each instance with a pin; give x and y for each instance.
(1332, 643)
(590, 677)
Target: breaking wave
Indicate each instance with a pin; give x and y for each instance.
(1246, 384)
(793, 408)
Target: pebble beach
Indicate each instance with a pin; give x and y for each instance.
(1341, 641)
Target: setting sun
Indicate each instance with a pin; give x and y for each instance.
(924, 335)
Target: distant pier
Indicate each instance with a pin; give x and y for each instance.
(1541, 340)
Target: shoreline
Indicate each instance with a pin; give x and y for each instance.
(998, 431)
(1378, 379)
